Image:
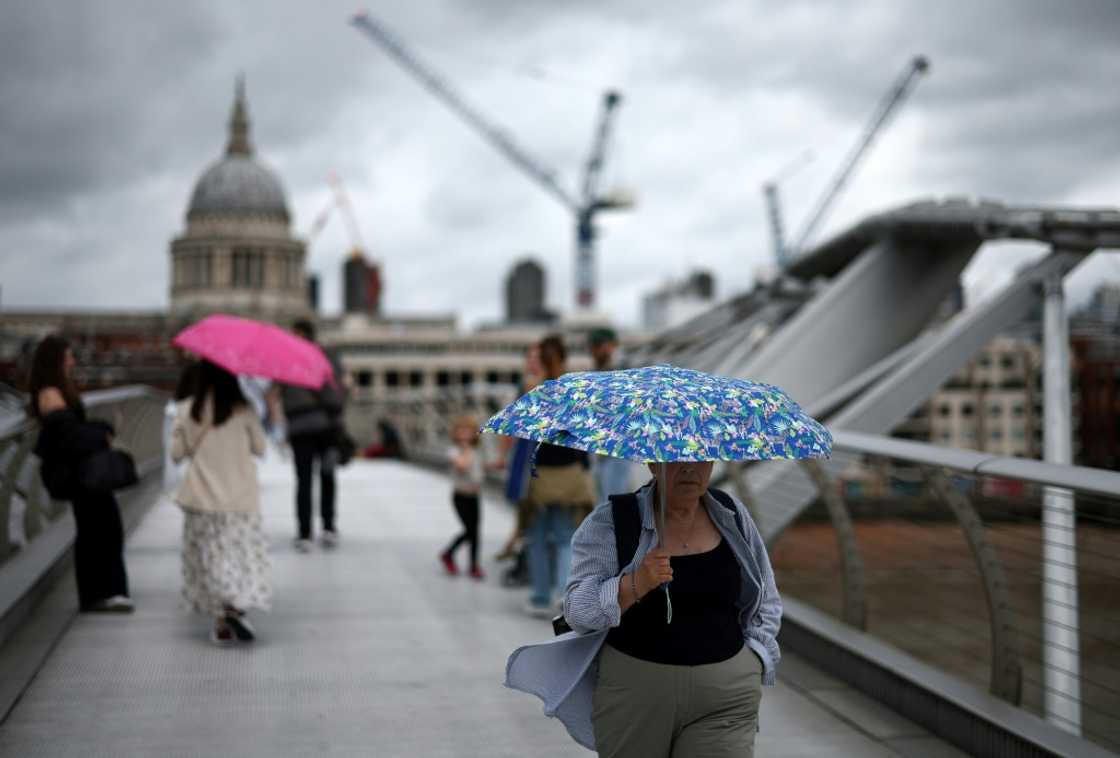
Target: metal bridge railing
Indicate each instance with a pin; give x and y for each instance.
(1002, 572)
(26, 509)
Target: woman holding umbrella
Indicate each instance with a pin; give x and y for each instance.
(690, 685)
(670, 596)
(225, 562)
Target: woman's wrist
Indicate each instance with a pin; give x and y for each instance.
(634, 587)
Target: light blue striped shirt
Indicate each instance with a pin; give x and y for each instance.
(562, 671)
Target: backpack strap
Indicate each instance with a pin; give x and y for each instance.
(627, 526)
(727, 502)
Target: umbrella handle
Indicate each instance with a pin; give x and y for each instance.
(662, 478)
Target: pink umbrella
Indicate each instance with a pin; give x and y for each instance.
(244, 346)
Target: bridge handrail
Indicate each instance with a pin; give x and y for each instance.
(1078, 478)
(136, 412)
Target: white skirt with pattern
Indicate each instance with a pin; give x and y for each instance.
(225, 562)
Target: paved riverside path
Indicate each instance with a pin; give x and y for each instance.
(368, 651)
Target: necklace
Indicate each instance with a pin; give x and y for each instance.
(691, 529)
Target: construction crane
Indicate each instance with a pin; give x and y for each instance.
(887, 106)
(585, 207)
(372, 283)
(774, 207)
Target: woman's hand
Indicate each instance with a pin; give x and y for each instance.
(654, 571)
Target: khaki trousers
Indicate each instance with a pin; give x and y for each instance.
(653, 710)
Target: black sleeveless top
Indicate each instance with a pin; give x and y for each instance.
(705, 626)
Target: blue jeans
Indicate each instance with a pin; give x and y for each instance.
(550, 532)
(612, 476)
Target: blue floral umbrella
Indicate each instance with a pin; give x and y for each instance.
(662, 414)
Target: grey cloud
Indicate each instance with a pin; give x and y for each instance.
(112, 110)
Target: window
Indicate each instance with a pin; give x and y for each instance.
(193, 270)
(996, 435)
(1017, 410)
(945, 410)
(248, 268)
(466, 378)
(415, 378)
(491, 377)
(966, 409)
(443, 378)
(995, 411)
(392, 379)
(365, 378)
(1007, 362)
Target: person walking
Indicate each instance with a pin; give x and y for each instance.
(686, 683)
(314, 423)
(226, 570)
(467, 472)
(612, 475)
(66, 439)
(559, 496)
(516, 453)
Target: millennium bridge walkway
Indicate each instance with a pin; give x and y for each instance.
(936, 601)
(368, 650)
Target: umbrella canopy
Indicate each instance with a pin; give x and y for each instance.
(243, 346)
(664, 414)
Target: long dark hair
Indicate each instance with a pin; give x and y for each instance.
(48, 369)
(222, 388)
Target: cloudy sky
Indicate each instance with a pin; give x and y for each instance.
(111, 110)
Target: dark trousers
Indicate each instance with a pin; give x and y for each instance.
(466, 506)
(98, 549)
(306, 452)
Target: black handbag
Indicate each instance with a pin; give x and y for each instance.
(345, 445)
(107, 470)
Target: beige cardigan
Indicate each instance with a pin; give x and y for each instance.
(222, 476)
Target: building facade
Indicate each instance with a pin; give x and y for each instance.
(525, 294)
(676, 302)
(237, 254)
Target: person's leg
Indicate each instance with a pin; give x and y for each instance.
(723, 713)
(304, 454)
(328, 462)
(633, 707)
(116, 577)
(470, 518)
(539, 574)
(461, 510)
(561, 528)
(85, 554)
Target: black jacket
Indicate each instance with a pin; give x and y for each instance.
(66, 438)
(313, 413)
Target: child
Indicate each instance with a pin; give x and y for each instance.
(466, 472)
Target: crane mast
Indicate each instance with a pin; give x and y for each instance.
(902, 87)
(583, 208)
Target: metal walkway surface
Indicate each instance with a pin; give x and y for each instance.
(368, 651)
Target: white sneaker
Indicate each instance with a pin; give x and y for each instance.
(329, 539)
(539, 611)
(114, 604)
(302, 545)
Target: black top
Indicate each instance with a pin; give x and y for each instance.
(66, 438)
(555, 455)
(705, 627)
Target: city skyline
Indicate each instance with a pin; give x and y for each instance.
(114, 112)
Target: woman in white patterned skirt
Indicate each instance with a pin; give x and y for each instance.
(225, 560)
